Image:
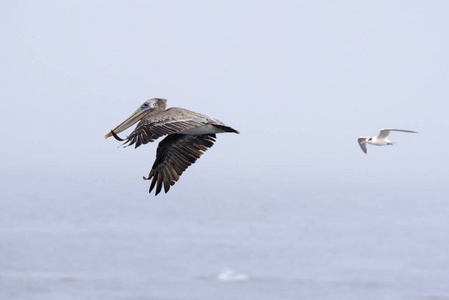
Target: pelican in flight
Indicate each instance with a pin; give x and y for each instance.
(188, 136)
(380, 140)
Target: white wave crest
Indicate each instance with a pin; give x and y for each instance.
(230, 275)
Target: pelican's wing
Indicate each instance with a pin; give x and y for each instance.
(363, 146)
(175, 154)
(168, 122)
(385, 132)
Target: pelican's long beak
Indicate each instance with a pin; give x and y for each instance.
(364, 142)
(131, 120)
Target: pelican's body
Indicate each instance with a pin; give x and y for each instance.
(380, 140)
(188, 136)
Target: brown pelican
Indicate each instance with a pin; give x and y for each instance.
(188, 136)
(380, 140)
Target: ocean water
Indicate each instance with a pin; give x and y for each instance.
(277, 245)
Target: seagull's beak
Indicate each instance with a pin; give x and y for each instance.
(136, 116)
(364, 142)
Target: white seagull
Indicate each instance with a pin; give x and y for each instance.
(380, 140)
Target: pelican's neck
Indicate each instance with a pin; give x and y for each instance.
(161, 105)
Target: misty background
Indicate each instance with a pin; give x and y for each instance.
(292, 202)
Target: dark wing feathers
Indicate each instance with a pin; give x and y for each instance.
(175, 154)
(146, 132)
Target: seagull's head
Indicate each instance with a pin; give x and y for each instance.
(366, 141)
(151, 105)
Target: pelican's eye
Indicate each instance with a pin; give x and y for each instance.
(145, 105)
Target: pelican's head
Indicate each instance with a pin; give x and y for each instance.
(155, 104)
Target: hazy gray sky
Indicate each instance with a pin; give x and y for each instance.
(301, 80)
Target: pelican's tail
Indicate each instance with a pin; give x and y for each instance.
(226, 128)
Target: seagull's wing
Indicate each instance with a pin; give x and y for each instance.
(363, 146)
(385, 132)
(175, 154)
